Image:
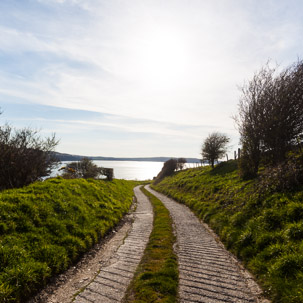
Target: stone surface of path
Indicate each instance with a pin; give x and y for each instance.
(207, 272)
(111, 282)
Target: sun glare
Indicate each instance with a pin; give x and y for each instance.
(163, 57)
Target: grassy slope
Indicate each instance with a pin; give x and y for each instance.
(46, 226)
(266, 231)
(156, 279)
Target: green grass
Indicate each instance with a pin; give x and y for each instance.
(47, 226)
(156, 279)
(264, 230)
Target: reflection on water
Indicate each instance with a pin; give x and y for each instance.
(130, 170)
(133, 170)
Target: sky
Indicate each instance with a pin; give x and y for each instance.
(138, 78)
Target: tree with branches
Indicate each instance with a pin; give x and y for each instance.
(270, 116)
(214, 147)
(25, 157)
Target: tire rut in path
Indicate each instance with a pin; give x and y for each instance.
(110, 284)
(207, 272)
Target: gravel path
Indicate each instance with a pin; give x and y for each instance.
(111, 282)
(207, 272)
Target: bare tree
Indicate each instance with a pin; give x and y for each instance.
(283, 124)
(252, 110)
(24, 156)
(270, 117)
(214, 147)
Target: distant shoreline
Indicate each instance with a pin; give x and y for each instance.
(69, 157)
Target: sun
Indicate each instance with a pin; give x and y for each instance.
(163, 56)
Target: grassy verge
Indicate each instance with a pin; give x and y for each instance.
(156, 279)
(46, 226)
(264, 230)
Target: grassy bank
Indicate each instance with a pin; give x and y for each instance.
(156, 279)
(46, 226)
(264, 230)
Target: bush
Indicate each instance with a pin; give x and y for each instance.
(248, 165)
(270, 118)
(24, 157)
(285, 176)
(181, 163)
(167, 170)
(86, 169)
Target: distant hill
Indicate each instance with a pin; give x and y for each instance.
(69, 157)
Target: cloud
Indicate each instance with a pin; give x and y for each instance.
(123, 125)
(173, 62)
(100, 130)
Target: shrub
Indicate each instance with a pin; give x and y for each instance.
(285, 176)
(167, 170)
(248, 165)
(270, 118)
(24, 156)
(86, 169)
(181, 163)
